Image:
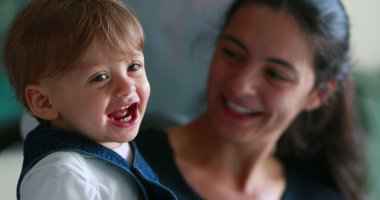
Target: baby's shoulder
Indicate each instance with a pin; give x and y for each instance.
(60, 173)
(62, 159)
(64, 163)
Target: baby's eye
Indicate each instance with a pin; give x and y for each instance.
(133, 67)
(100, 77)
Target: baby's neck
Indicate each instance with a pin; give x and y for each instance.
(124, 150)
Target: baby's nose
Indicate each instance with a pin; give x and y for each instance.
(124, 87)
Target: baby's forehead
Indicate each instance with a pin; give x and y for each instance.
(97, 52)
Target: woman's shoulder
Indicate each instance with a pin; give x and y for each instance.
(152, 138)
(153, 144)
(306, 182)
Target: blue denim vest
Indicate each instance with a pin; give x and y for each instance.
(43, 141)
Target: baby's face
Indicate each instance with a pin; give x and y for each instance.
(103, 98)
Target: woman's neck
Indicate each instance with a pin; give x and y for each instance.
(200, 152)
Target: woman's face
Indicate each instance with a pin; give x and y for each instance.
(261, 76)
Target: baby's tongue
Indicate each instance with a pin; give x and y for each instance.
(119, 114)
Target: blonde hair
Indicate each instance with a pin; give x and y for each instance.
(49, 37)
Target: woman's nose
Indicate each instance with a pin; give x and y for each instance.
(245, 82)
(124, 87)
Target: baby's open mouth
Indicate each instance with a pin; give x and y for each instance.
(125, 114)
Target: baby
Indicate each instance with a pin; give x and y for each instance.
(78, 67)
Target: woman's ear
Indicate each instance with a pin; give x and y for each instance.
(39, 102)
(320, 95)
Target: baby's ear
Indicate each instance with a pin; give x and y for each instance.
(319, 96)
(39, 102)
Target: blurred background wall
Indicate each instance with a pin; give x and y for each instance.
(365, 38)
(179, 43)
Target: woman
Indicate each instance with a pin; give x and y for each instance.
(279, 123)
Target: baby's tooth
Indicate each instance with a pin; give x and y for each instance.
(124, 107)
(126, 119)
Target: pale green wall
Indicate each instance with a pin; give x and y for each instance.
(365, 22)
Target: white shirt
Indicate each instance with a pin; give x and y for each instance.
(70, 176)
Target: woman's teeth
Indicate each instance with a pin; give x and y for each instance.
(239, 109)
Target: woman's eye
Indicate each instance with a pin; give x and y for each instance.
(133, 67)
(230, 54)
(276, 75)
(100, 77)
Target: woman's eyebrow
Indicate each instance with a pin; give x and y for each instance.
(282, 63)
(271, 60)
(235, 41)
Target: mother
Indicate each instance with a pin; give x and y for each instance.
(280, 118)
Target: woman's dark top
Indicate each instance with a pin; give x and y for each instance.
(154, 146)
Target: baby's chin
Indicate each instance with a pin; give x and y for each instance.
(118, 138)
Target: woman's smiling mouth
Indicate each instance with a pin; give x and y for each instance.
(240, 109)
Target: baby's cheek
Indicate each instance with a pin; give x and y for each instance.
(142, 85)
